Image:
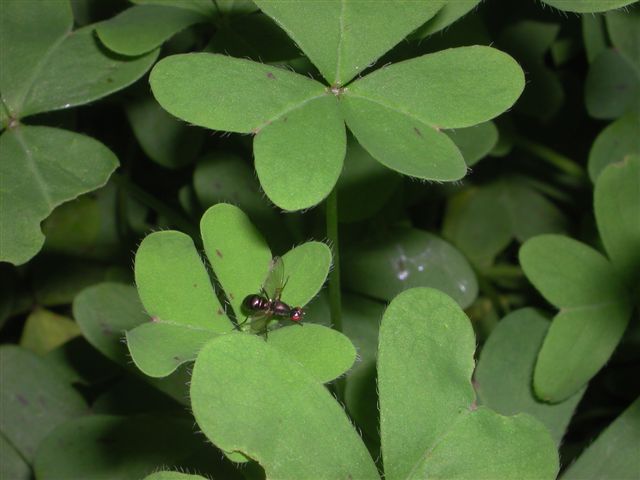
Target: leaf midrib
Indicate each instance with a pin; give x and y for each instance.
(289, 109)
(35, 169)
(37, 70)
(394, 108)
(421, 461)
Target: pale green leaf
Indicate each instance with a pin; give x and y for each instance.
(617, 209)
(230, 94)
(310, 264)
(614, 453)
(159, 348)
(442, 90)
(324, 353)
(614, 143)
(291, 408)
(45, 330)
(174, 285)
(142, 28)
(238, 254)
(402, 142)
(429, 425)
(406, 258)
(594, 312)
(299, 154)
(587, 6)
(42, 167)
(504, 375)
(336, 34)
(34, 399)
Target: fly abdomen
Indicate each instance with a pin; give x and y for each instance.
(255, 303)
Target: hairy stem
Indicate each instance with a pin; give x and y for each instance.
(335, 297)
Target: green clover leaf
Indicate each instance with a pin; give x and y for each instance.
(46, 66)
(429, 424)
(396, 113)
(177, 294)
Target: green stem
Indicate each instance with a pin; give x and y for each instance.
(174, 216)
(335, 300)
(335, 295)
(565, 164)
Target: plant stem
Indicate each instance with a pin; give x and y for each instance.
(565, 164)
(335, 300)
(335, 295)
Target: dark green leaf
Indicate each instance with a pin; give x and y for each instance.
(136, 446)
(612, 86)
(163, 138)
(407, 258)
(364, 185)
(594, 312)
(41, 168)
(34, 399)
(48, 67)
(613, 454)
(529, 41)
(504, 375)
(617, 208)
(614, 143)
(142, 28)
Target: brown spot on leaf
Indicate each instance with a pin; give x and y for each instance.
(220, 312)
(218, 253)
(271, 76)
(23, 401)
(418, 132)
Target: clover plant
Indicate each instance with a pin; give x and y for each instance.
(449, 190)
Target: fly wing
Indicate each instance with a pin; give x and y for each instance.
(275, 279)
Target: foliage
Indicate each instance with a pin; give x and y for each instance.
(449, 190)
